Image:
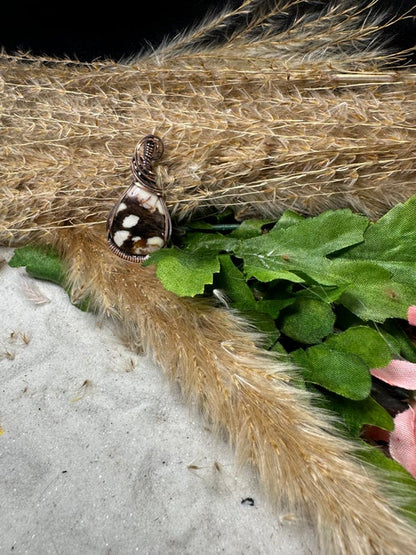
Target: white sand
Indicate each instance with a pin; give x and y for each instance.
(97, 445)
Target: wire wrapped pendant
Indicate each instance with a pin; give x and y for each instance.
(139, 223)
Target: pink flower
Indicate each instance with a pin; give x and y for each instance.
(402, 443)
(411, 315)
(400, 373)
(402, 440)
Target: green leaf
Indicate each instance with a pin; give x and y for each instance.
(255, 268)
(278, 348)
(184, 272)
(357, 414)
(207, 244)
(241, 296)
(307, 320)
(371, 293)
(364, 342)
(397, 337)
(249, 228)
(343, 373)
(260, 313)
(302, 248)
(273, 306)
(328, 294)
(264, 323)
(391, 242)
(233, 282)
(327, 233)
(40, 262)
(389, 245)
(287, 219)
(43, 262)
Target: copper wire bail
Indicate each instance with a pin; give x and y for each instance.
(149, 149)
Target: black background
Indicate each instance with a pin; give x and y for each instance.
(88, 31)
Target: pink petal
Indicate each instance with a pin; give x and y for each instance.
(403, 441)
(411, 315)
(400, 373)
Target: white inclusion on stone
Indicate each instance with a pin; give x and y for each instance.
(147, 199)
(130, 221)
(121, 207)
(120, 237)
(159, 207)
(157, 242)
(152, 244)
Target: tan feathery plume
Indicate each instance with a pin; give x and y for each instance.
(246, 392)
(289, 113)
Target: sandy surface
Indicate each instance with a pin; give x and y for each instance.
(100, 455)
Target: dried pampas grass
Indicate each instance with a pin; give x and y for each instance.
(302, 112)
(289, 113)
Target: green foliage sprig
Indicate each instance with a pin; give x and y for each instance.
(331, 291)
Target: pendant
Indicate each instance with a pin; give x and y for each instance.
(139, 223)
